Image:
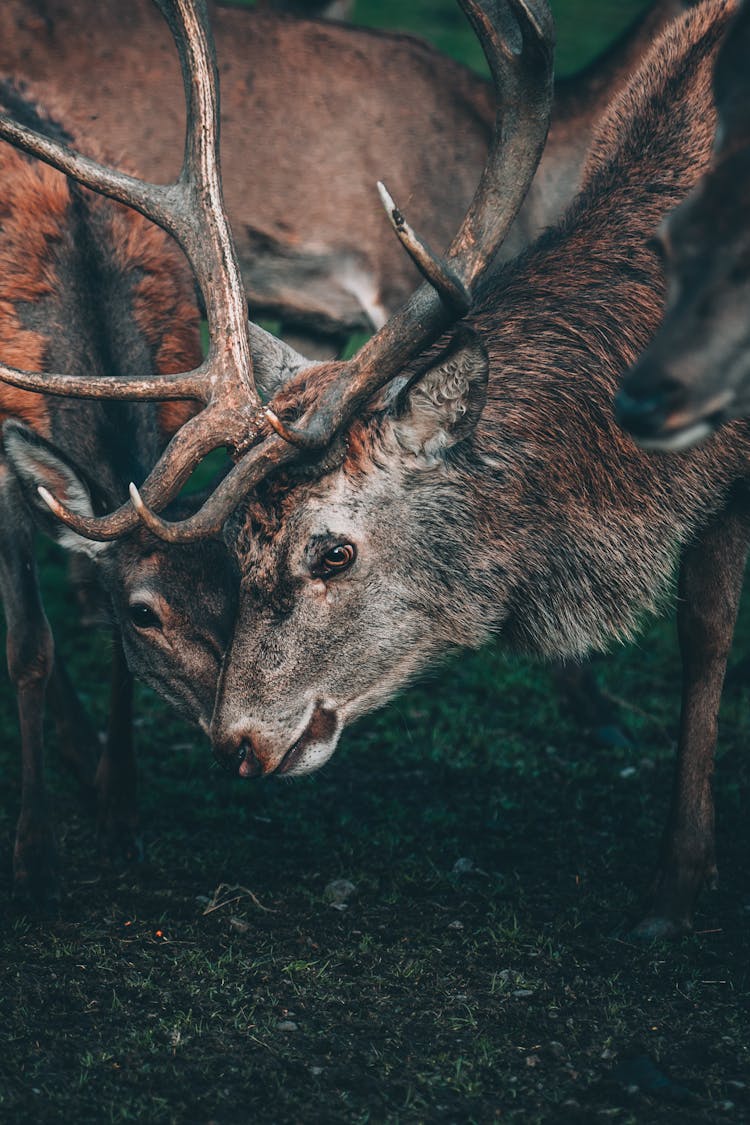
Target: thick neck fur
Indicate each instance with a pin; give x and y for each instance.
(576, 527)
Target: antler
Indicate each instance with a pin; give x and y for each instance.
(192, 210)
(517, 37)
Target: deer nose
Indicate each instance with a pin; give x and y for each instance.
(236, 754)
(646, 400)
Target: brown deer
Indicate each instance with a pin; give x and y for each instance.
(457, 480)
(86, 285)
(695, 375)
(330, 97)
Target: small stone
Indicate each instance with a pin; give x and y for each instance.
(521, 993)
(463, 866)
(455, 925)
(629, 771)
(316, 1071)
(239, 925)
(339, 890)
(287, 1025)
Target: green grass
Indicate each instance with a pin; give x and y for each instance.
(492, 991)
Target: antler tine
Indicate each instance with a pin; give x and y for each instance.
(208, 243)
(191, 385)
(192, 210)
(258, 462)
(190, 444)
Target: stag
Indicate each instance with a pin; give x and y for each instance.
(461, 476)
(695, 375)
(331, 97)
(93, 287)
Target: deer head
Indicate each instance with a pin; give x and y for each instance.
(173, 605)
(696, 373)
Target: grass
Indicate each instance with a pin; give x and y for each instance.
(476, 973)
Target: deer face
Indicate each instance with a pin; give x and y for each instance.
(173, 604)
(352, 585)
(696, 373)
(174, 608)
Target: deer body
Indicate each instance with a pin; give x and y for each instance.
(88, 286)
(313, 248)
(496, 494)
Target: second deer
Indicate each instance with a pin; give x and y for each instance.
(695, 375)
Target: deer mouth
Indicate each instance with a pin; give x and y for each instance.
(656, 428)
(320, 730)
(684, 429)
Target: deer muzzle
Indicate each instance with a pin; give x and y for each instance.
(246, 753)
(662, 412)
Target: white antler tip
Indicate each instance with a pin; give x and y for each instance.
(47, 497)
(135, 497)
(386, 198)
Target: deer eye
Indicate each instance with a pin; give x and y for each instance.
(336, 559)
(143, 616)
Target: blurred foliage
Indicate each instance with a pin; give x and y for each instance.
(584, 27)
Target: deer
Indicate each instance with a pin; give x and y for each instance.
(330, 96)
(695, 374)
(461, 476)
(86, 285)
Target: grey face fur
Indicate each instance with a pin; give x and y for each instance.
(315, 647)
(173, 605)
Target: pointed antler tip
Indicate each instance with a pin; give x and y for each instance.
(135, 498)
(48, 498)
(388, 201)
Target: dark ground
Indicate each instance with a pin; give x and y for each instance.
(474, 974)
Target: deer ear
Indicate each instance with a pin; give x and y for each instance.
(437, 409)
(37, 463)
(274, 362)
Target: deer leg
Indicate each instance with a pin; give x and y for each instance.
(709, 589)
(116, 775)
(30, 653)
